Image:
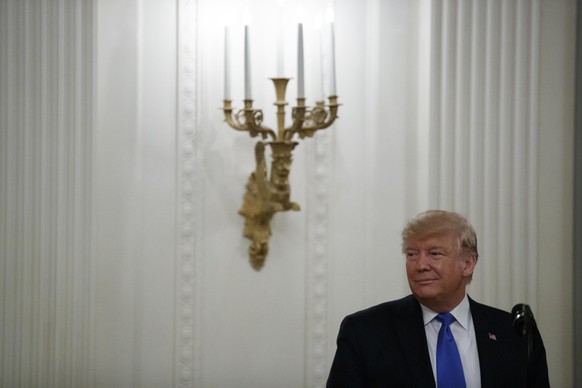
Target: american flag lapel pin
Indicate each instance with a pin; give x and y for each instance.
(492, 337)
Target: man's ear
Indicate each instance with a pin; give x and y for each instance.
(469, 263)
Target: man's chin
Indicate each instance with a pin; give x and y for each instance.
(424, 295)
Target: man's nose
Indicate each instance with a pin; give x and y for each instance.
(423, 262)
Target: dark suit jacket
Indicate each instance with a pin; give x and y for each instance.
(385, 346)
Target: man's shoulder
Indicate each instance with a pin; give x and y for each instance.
(388, 310)
(488, 311)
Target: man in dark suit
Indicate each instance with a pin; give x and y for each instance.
(401, 343)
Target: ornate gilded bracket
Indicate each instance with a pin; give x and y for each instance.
(268, 191)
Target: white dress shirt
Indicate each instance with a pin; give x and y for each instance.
(464, 333)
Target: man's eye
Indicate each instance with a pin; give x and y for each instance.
(411, 255)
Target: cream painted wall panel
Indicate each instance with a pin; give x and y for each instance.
(252, 324)
(116, 230)
(555, 187)
(371, 197)
(135, 197)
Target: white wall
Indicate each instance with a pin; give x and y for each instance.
(441, 107)
(555, 210)
(134, 193)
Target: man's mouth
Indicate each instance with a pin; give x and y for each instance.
(424, 281)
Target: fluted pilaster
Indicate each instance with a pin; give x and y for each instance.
(484, 134)
(46, 72)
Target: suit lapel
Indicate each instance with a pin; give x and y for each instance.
(486, 334)
(412, 337)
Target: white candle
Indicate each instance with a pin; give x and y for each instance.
(280, 41)
(319, 89)
(226, 64)
(300, 63)
(332, 62)
(248, 94)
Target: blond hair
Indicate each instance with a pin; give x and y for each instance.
(433, 222)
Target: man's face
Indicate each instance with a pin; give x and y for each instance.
(437, 271)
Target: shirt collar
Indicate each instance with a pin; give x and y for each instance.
(462, 313)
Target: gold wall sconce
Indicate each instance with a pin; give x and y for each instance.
(269, 192)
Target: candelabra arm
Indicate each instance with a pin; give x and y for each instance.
(229, 117)
(316, 118)
(333, 108)
(247, 119)
(331, 113)
(298, 115)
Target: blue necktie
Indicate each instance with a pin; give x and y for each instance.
(449, 367)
